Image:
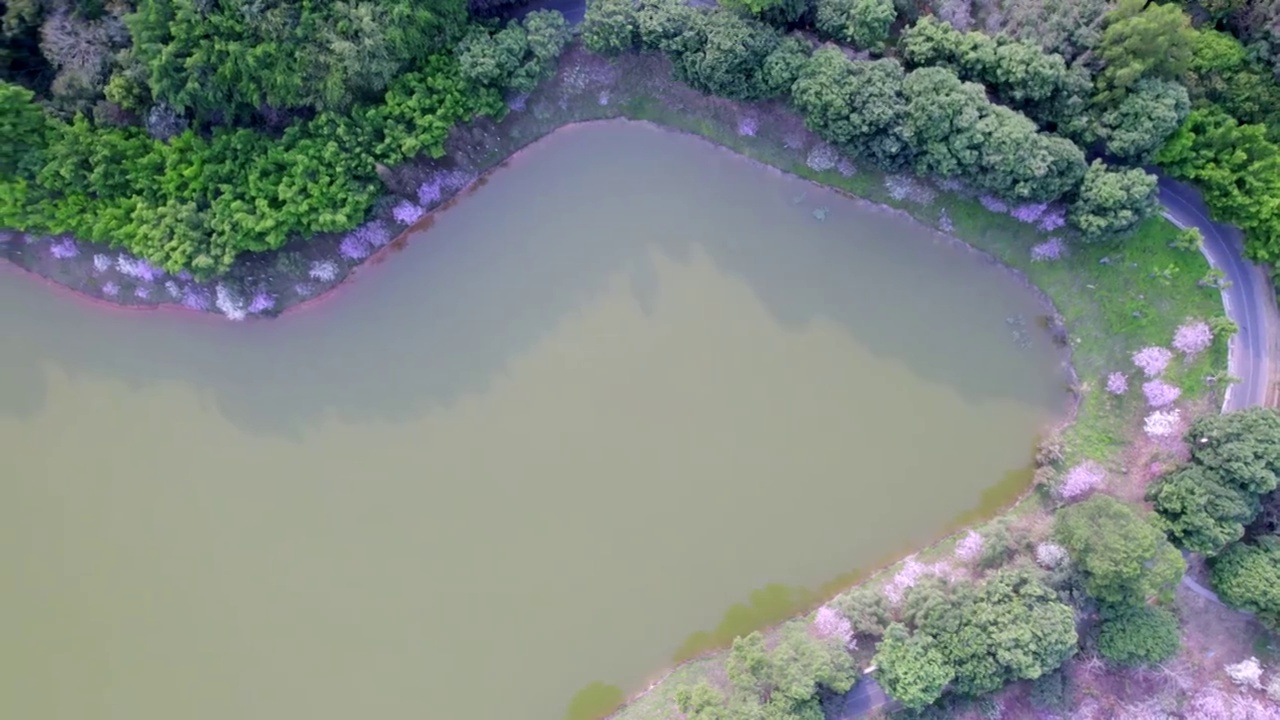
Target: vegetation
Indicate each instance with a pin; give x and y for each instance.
(1138, 634)
(1247, 576)
(1122, 556)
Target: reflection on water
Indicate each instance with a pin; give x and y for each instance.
(621, 388)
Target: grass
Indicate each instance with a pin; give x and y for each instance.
(1113, 299)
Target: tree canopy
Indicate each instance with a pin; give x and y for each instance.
(1122, 556)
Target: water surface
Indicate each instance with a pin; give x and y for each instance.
(604, 398)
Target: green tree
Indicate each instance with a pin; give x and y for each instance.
(1139, 125)
(864, 24)
(1199, 511)
(23, 129)
(1138, 634)
(1112, 201)
(1122, 557)
(1243, 447)
(610, 27)
(1247, 576)
(856, 105)
(911, 668)
(668, 25)
(784, 64)
(1142, 39)
(725, 56)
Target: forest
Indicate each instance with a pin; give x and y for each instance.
(192, 131)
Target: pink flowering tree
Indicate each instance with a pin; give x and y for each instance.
(969, 548)
(1051, 249)
(832, 625)
(1162, 423)
(1152, 360)
(1117, 383)
(1160, 393)
(1193, 338)
(1080, 480)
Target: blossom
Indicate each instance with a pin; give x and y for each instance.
(353, 247)
(1193, 338)
(1161, 423)
(373, 233)
(194, 298)
(994, 204)
(304, 289)
(911, 572)
(1052, 220)
(1050, 249)
(323, 270)
(101, 263)
(1050, 555)
(821, 158)
(110, 289)
(1117, 383)
(846, 168)
(1246, 672)
(262, 302)
(228, 303)
(440, 185)
(748, 126)
(603, 98)
(1152, 360)
(829, 623)
(64, 249)
(969, 547)
(172, 288)
(407, 213)
(142, 292)
(1030, 212)
(1081, 479)
(944, 222)
(1160, 393)
(138, 268)
(905, 187)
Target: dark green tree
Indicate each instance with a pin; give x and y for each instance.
(1138, 634)
(1112, 201)
(864, 24)
(1199, 511)
(610, 27)
(856, 105)
(1142, 40)
(911, 668)
(1140, 123)
(1247, 576)
(1122, 556)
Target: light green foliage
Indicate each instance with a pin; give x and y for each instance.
(1138, 634)
(1112, 201)
(516, 57)
(1122, 556)
(864, 24)
(911, 668)
(1143, 40)
(1238, 171)
(856, 105)
(610, 27)
(22, 132)
(668, 25)
(1243, 447)
(957, 132)
(778, 684)
(782, 67)
(867, 610)
(725, 55)
(228, 59)
(1224, 72)
(1199, 511)
(1139, 125)
(1247, 576)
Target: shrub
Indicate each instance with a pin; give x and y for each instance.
(868, 611)
(1138, 634)
(1193, 338)
(864, 24)
(1247, 576)
(1152, 360)
(610, 27)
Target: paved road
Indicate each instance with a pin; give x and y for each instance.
(1249, 300)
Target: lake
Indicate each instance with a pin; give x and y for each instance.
(599, 403)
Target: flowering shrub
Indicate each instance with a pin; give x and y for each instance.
(829, 623)
(323, 270)
(262, 302)
(1152, 360)
(748, 126)
(603, 98)
(1117, 383)
(944, 222)
(822, 158)
(101, 263)
(64, 249)
(138, 268)
(994, 204)
(1081, 479)
(1193, 338)
(1029, 213)
(142, 292)
(1052, 220)
(1050, 555)
(911, 572)
(441, 185)
(172, 288)
(1160, 393)
(846, 168)
(905, 187)
(353, 247)
(194, 298)
(110, 289)
(1050, 249)
(228, 303)
(1162, 423)
(407, 213)
(970, 547)
(1247, 673)
(304, 289)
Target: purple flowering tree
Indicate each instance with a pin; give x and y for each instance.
(353, 247)
(1029, 213)
(194, 298)
(830, 624)
(110, 288)
(407, 213)
(262, 301)
(1193, 338)
(1160, 393)
(1080, 480)
(1051, 249)
(1117, 383)
(64, 248)
(1162, 423)
(138, 269)
(323, 270)
(101, 263)
(1052, 220)
(969, 548)
(229, 303)
(994, 204)
(1152, 360)
(748, 126)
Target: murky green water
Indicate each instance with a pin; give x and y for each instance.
(601, 401)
